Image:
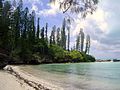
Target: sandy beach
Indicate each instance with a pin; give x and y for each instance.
(12, 78)
(9, 82)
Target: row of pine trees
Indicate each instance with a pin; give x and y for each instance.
(80, 42)
(19, 32)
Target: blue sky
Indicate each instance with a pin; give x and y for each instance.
(103, 26)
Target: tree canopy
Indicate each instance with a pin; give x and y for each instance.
(22, 41)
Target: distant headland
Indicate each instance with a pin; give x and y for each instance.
(109, 60)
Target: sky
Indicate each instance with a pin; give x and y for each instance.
(103, 26)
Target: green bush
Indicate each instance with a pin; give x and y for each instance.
(56, 52)
(41, 47)
(15, 54)
(76, 56)
(90, 58)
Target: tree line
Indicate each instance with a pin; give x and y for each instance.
(26, 42)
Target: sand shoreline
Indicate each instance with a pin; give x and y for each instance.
(9, 82)
(25, 81)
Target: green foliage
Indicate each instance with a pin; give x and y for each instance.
(87, 49)
(35, 59)
(76, 55)
(87, 58)
(68, 38)
(19, 56)
(78, 43)
(25, 55)
(90, 58)
(15, 54)
(82, 39)
(20, 38)
(40, 46)
(42, 33)
(58, 36)
(52, 36)
(63, 35)
(5, 31)
(38, 29)
(56, 52)
(46, 32)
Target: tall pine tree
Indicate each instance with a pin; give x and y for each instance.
(78, 42)
(46, 30)
(87, 49)
(38, 29)
(82, 39)
(68, 28)
(6, 33)
(42, 33)
(58, 36)
(63, 35)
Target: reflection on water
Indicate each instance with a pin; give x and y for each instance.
(85, 76)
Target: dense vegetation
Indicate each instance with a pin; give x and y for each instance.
(23, 42)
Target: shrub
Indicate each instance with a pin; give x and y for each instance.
(76, 56)
(56, 52)
(90, 58)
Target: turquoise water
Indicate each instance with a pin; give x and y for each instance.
(81, 76)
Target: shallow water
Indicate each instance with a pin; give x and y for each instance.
(80, 76)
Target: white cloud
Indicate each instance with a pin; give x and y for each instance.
(34, 7)
(47, 12)
(97, 26)
(53, 10)
(100, 17)
(78, 24)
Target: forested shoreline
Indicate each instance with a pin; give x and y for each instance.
(25, 42)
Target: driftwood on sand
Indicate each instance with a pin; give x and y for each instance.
(32, 84)
(30, 80)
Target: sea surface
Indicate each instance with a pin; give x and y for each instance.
(79, 76)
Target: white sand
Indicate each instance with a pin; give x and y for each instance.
(9, 82)
(20, 80)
